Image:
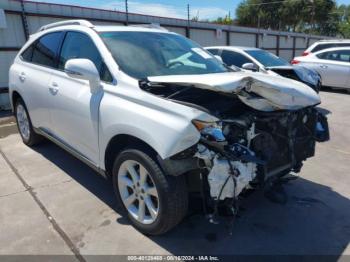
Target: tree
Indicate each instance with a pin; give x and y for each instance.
(344, 24)
(308, 16)
(227, 20)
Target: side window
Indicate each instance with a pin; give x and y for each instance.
(234, 58)
(45, 49)
(343, 44)
(341, 55)
(323, 55)
(322, 46)
(344, 55)
(79, 45)
(28, 53)
(214, 51)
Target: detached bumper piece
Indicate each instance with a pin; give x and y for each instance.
(322, 130)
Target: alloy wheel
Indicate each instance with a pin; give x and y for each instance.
(138, 192)
(23, 121)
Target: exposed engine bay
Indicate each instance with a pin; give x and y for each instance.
(255, 139)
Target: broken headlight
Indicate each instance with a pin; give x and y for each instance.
(211, 131)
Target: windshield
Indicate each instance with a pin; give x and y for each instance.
(266, 58)
(143, 54)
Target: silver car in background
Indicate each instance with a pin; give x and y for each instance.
(332, 64)
(262, 61)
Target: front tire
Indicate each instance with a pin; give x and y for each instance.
(153, 201)
(24, 124)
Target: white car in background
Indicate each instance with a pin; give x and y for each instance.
(332, 64)
(262, 61)
(325, 44)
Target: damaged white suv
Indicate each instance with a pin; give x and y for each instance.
(161, 116)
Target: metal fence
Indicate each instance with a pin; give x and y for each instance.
(25, 17)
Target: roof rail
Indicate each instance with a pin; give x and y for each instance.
(67, 22)
(152, 25)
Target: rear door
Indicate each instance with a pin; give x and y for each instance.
(75, 112)
(34, 71)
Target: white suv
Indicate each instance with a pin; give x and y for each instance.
(325, 44)
(161, 116)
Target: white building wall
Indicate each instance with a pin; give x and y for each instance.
(207, 37)
(240, 39)
(267, 41)
(6, 59)
(286, 55)
(178, 30)
(13, 35)
(35, 22)
(286, 42)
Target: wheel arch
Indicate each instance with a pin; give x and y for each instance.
(14, 97)
(120, 142)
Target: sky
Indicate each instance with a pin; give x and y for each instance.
(204, 9)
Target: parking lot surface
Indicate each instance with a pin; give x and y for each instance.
(51, 203)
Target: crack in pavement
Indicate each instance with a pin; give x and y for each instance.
(53, 222)
(55, 184)
(14, 193)
(39, 187)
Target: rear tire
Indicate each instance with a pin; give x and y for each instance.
(162, 199)
(24, 124)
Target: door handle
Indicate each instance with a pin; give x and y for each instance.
(22, 76)
(54, 88)
(324, 66)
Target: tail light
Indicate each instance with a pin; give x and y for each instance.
(305, 53)
(294, 62)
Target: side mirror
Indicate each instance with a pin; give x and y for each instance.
(219, 58)
(250, 66)
(84, 69)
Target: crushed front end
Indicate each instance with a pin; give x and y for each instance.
(267, 127)
(257, 146)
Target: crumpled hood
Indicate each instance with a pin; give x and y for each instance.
(259, 91)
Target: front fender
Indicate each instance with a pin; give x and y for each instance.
(163, 125)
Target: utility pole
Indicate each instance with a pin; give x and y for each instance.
(126, 12)
(24, 21)
(188, 14)
(188, 21)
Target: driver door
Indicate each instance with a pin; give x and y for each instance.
(75, 113)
